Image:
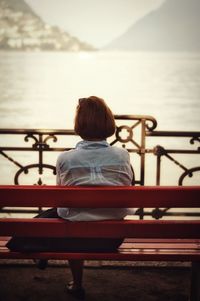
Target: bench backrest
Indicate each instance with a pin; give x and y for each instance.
(47, 196)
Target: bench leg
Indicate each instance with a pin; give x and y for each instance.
(195, 282)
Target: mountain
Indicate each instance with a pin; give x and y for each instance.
(22, 29)
(174, 26)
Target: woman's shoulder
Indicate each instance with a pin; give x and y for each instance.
(65, 155)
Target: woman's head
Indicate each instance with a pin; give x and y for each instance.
(94, 119)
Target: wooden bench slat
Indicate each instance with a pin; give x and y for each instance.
(139, 245)
(100, 197)
(164, 240)
(143, 245)
(43, 227)
(143, 255)
(160, 246)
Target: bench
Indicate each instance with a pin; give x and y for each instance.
(146, 240)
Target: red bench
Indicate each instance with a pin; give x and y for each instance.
(154, 240)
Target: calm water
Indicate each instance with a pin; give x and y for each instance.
(40, 90)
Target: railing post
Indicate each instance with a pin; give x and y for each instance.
(142, 151)
(158, 168)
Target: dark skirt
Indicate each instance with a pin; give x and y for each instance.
(45, 244)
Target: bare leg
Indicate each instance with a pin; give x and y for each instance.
(76, 267)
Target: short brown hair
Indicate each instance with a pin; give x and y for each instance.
(94, 119)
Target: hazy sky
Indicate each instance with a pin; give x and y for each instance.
(94, 21)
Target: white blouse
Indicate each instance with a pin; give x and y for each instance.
(94, 163)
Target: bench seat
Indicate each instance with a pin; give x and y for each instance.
(130, 250)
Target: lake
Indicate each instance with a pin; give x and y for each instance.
(40, 89)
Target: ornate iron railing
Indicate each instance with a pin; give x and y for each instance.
(137, 135)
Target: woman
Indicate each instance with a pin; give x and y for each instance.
(92, 162)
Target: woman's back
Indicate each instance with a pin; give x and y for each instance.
(94, 163)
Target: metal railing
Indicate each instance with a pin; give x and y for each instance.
(137, 135)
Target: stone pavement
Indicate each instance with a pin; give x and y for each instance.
(24, 282)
